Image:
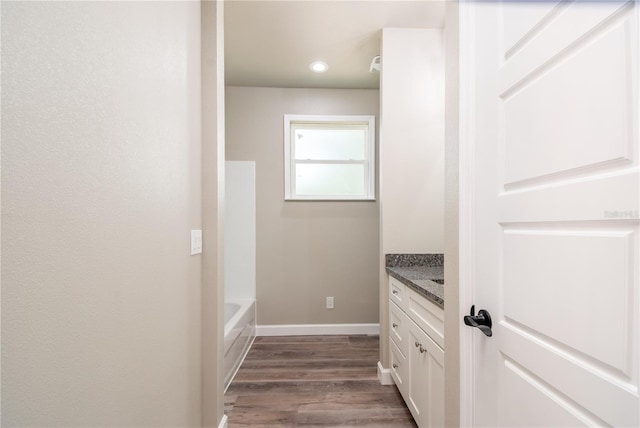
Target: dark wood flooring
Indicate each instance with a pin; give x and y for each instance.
(293, 381)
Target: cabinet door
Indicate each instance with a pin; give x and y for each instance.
(426, 380)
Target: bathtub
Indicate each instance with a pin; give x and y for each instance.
(239, 333)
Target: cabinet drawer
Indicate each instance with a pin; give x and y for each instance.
(398, 327)
(425, 382)
(426, 315)
(399, 369)
(397, 291)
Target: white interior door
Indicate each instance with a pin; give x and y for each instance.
(551, 125)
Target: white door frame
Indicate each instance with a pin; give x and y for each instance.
(466, 215)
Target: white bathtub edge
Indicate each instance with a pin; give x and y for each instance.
(238, 339)
(223, 422)
(233, 321)
(316, 329)
(241, 360)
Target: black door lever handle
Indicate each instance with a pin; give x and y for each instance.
(481, 321)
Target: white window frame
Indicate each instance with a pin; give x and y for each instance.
(369, 162)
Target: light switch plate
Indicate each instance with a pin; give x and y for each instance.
(196, 242)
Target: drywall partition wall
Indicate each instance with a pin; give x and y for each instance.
(412, 140)
(411, 150)
(452, 314)
(306, 250)
(212, 77)
(100, 188)
(240, 230)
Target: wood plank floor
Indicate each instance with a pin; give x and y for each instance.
(292, 381)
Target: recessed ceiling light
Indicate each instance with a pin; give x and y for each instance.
(319, 66)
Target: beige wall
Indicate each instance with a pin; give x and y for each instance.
(411, 151)
(101, 183)
(305, 250)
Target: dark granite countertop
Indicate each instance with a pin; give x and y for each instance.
(425, 280)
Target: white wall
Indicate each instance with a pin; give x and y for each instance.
(240, 230)
(100, 186)
(411, 150)
(306, 250)
(412, 141)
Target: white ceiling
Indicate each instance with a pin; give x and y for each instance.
(271, 43)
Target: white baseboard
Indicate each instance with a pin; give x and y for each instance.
(316, 329)
(384, 375)
(223, 422)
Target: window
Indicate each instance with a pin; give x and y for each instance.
(329, 157)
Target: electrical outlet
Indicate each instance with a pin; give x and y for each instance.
(196, 242)
(329, 302)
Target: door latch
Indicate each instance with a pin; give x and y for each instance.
(481, 321)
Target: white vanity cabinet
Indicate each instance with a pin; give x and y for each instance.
(417, 356)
